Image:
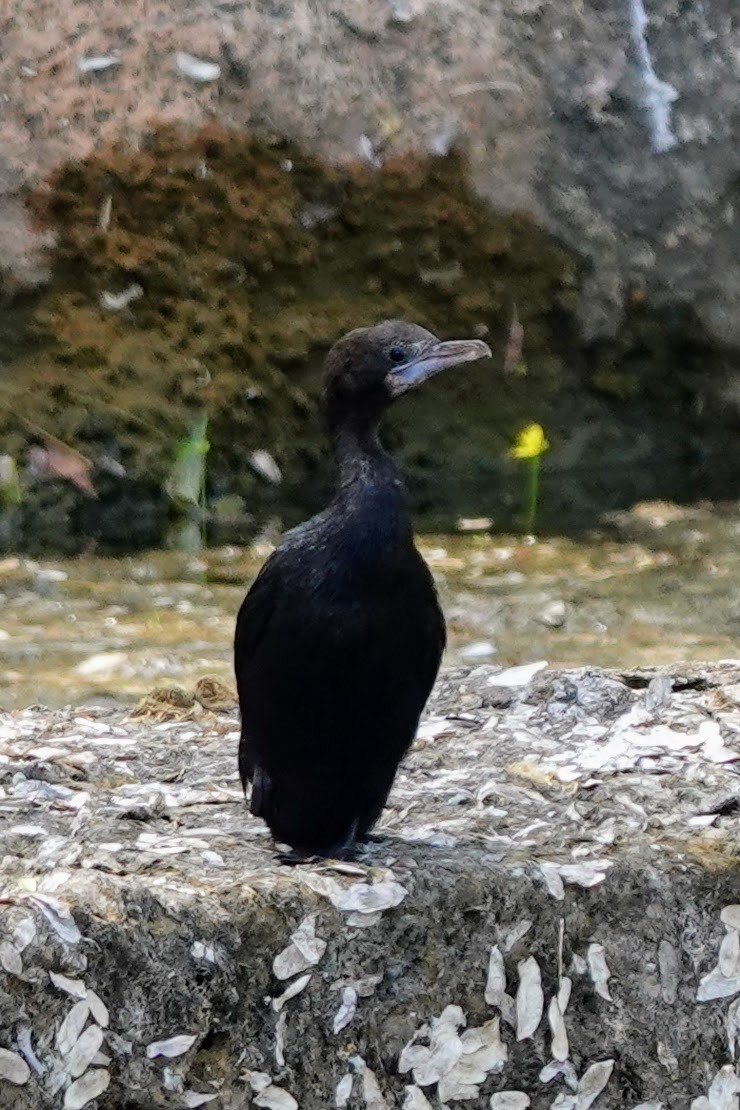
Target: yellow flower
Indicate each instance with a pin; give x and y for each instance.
(530, 443)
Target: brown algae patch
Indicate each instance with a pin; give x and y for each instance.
(206, 274)
(214, 270)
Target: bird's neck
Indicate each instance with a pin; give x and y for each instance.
(360, 456)
(370, 492)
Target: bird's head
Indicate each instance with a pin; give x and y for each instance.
(369, 368)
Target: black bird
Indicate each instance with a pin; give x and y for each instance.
(339, 640)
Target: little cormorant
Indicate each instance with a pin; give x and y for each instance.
(339, 640)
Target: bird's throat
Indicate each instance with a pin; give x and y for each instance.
(371, 501)
(360, 456)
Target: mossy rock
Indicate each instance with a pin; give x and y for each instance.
(252, 258)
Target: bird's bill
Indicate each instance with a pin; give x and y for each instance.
(432, 358)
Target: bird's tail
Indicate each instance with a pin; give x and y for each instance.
(260, 790)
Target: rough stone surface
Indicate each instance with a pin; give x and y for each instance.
(552, 101)
(554, 833)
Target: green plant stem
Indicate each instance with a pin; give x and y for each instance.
(202, 493)
(533, 485)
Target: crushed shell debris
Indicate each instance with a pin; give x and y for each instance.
(570, 764)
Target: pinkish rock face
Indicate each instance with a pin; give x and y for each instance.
(560, 108)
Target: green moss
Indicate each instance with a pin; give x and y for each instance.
(615, 382)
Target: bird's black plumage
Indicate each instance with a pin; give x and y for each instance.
(339, 639)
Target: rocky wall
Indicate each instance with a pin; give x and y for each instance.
(559, 178)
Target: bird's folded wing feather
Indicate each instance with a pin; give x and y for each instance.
(251, 624)
(255, 613)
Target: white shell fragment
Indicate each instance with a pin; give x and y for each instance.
(729, 954)
(276, 1098)
(445, 1055)
(10, 958)
(86, 1088)
(565, 1069)
(530, 1000)
(564, 989)
(201, 950)
(415, 1099)
(346, 1011)
(23, 1039)
(599, 970)
(371, 1092)
(592, 1083)
(115, 302)
(517, 676)
(172, 1046)
(515, 935)
(304, 951)
(715, 985)
(445, 1048)
(553, 880)
(24, 933)
(294, 989)
(496, 981)
(585, 874)
(13, 1068)
(257, 1080)
(58, 916)
(559, 1047)
(366, 151)
(75, 987)
(97, 63)
(266, 1093)
(724, 980)
(365, 986)
(84, 1051)
(669, 967)
(264, 464)
(363, 920)
(722, 1093)
(72, 1026)
(730, 916)
(732, 1026)
(510, 1100)
(281, 1026)
(484, 1053)
(343, 1091)
(193, 1099)
(196, 68)
(98, 1009)
(104, 215)
(359, 897)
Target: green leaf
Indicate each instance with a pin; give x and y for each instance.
(11, 494)
(186, 483)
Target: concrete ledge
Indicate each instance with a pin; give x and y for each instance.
(554, 912)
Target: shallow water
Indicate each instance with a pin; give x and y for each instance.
(661, 585)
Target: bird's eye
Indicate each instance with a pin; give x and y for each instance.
(396, 354)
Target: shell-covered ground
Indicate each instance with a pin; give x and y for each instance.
(551, 920)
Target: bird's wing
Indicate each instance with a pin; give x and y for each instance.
(265, 593)
(255, 612)
(251, 625)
